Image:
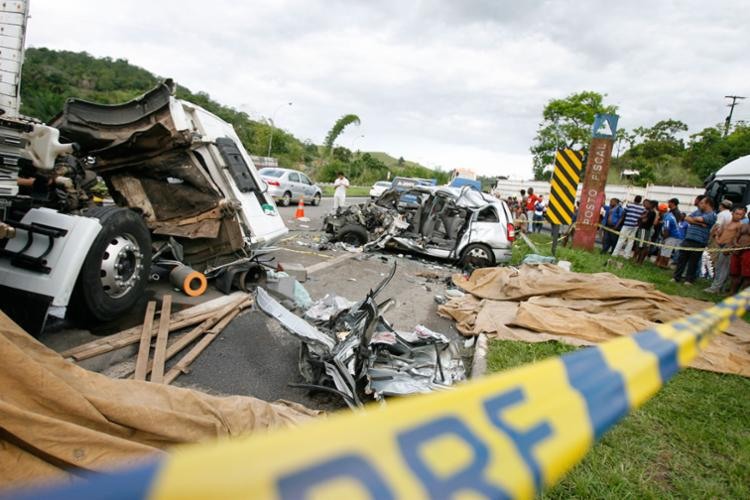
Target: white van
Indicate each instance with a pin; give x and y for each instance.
(731, 182)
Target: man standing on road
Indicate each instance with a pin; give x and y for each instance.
(339, 194)
(628, 227)
(700, 223)
(612, 216)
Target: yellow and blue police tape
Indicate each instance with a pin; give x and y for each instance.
(506, 435)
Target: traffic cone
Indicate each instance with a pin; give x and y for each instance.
(300, 213)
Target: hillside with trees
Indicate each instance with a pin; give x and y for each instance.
(663, 153)
(50, 77)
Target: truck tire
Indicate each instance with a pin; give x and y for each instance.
(478, 255)
(115, 273)
(353, 234)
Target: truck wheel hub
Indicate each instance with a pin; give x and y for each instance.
(122, 263)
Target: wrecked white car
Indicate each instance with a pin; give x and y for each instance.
(459, 224)
(355, 353)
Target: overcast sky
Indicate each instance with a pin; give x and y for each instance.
(451, 83)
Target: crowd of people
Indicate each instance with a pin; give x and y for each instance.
(708, 242)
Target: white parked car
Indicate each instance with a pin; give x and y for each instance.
(288, 185)
(379, 188)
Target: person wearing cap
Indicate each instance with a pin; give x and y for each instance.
(724, 216)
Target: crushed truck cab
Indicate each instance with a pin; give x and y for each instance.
(184, 189)
(183, 168)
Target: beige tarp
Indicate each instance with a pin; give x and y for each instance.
(55, 415)
(545, 302)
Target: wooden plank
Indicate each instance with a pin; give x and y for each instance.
(192, 354)
(192, 335)
(160, 349)
(187, 317)
(143, 350)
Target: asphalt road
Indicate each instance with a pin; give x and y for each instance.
(316, 214)
(254, 356)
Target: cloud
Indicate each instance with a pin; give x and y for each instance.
(456, 84)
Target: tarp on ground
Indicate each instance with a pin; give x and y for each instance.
(58, 419)
(544, 302)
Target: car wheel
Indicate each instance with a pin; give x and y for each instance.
(353, 234)
(478, 255)
(115, 272)
(286, 200)
(316, 200)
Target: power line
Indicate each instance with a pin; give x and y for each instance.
(728, 121)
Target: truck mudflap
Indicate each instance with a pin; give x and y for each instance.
(46, 255)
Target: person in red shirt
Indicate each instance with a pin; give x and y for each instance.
(531, 201)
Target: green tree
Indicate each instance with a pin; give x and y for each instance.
(338, 128)
(708, 150)
(566, 124)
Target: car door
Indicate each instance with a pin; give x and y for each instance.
(295, 186)
(307, 187)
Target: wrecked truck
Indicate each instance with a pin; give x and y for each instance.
(458, 224)
(184, 189)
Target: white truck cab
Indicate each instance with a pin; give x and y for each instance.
(731, 182)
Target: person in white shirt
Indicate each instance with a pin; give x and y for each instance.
(339, 195)
(723, 217)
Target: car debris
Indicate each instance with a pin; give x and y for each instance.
(458, 224)
(357, 353)
(322, 310)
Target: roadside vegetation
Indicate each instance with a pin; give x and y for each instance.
(664, 153)
(692, 440)
(351, 192)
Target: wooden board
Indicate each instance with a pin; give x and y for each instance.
(143, 350)
(160, 350)
(193, 353)
(183, 319)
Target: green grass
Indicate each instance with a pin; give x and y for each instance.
(691, 440)
(352, 191)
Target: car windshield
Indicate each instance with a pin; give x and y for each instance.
(270, 172)
(382, 184)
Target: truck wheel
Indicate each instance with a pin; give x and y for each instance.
(115, 272)
(353, 234)
(286, 200)
(316, 200)
(478, 255)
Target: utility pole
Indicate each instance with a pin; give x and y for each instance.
(728, 121)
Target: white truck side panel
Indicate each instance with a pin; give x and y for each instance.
(13, 17)
(265, 227)
(65, 259)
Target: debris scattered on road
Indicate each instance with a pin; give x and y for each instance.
(359, 353)
(428, 275)
(183, 319)
(454, 293)
(329, 306)
(533, 258)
